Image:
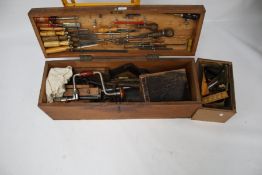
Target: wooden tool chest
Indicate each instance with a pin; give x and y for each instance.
(146, 37)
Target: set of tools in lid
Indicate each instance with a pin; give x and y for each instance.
(61, 34)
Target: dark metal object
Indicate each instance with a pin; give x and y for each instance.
(191, 16)
(98, 50)
(132, 15)
(151, 26)
(129, 67)
(216, 75)
(168, 32)
(165, 86)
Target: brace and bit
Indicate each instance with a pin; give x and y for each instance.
(76, 96)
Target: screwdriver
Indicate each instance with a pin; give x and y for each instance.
(52, 33)
(57, 49)
(76, 43)
(107, 29)
(56, 43)
(53, 18)
(71, 25)
(54, 38)
(52, 28)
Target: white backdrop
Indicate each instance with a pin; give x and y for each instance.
(31, 143)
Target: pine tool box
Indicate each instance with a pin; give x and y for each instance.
(129, 65)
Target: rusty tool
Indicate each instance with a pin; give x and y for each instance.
(129, 22)
(151, 26)
(53, 19)
(76, 96)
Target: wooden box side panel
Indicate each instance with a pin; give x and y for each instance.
(80, 110)
(213, 115)
(119, 111)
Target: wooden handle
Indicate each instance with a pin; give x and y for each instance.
(61, 33)
(52, 28)
(204, 87)
(54, 38)
(42, 19)
(56, 43)
(44, 25)
(106, 29)
(52, 33)
(189, 45)
(215, 97)
(47, 33)
(57, 49)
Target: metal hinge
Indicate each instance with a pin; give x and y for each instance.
(86, 58)
(152, 57)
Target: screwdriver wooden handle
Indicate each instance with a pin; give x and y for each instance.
(56, 43)
(54, 38)
(52, 28)
(57, 49)
(52, 33)
(42, 19)
(45, 25)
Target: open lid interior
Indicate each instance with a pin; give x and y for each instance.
(112, 31)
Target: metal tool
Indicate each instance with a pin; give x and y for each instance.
(151, 26)
(129, 22)
(132, 15)
(53, 33)
(55, 38)
(76, 96)
(64, 25)
(191, 16)
(53, 19)
(168, 32)
(221, 77)
(52, 28)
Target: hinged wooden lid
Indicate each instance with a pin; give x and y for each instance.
(184, 20)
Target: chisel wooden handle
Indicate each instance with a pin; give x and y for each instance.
(56, 43)
(57, 49)
(52, 28)
(54, 38)
(52, 33)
